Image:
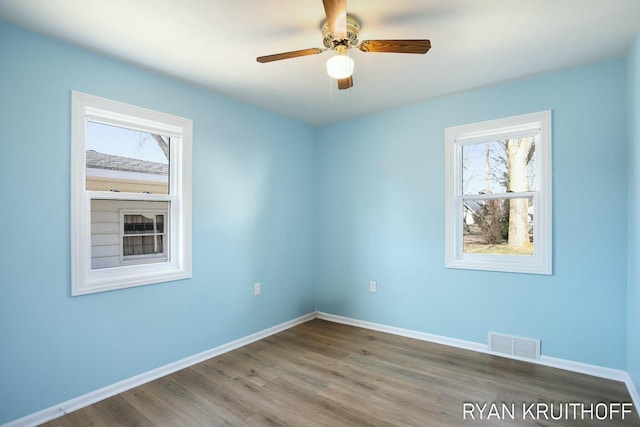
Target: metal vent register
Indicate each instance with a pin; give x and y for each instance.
(515, 346)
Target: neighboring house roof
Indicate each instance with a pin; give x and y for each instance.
(474, 206)
(99, 160)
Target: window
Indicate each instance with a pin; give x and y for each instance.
(498, 195)
(131, 195)
(143, 236)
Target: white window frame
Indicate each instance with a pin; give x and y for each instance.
(84, 279)
(455, 138)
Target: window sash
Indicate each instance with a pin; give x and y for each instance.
(459, 234)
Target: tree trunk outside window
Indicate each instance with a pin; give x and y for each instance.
(519, 152)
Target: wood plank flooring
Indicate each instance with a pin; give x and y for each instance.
(327, 374)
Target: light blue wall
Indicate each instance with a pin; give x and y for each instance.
(633, 296)
(293, 206)
(381, 204)
(253, 181)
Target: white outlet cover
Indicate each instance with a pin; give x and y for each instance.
(257, 288)
(373, 287)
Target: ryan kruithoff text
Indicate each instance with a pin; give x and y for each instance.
(546, 411)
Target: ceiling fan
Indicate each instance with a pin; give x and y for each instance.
(340, 33)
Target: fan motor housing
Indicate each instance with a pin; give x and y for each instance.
(331, 40)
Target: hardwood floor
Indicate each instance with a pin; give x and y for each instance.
(327, 374)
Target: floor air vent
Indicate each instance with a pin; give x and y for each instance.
(514, 346)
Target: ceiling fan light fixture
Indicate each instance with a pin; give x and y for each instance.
(340, 66)
(340, 32)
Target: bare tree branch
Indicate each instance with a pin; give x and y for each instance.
(164, 145)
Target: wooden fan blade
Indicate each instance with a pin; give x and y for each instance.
(287, 55)
(336, 11)
(395, 46)
(345, 83)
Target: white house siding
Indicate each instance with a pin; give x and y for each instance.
(105, 228)
(130, 182)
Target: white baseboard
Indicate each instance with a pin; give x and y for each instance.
(567, 365)
(633, 391)
(80, 402)
(61, 409)
(423, 336)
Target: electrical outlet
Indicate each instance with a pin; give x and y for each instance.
(257, 288)
(373, 287)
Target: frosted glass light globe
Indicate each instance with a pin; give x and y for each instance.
(340, 66)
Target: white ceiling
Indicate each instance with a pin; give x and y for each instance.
(214, 43)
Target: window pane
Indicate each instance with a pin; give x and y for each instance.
(142, 245)
(126, 160)
(139, 224)
(160, 223)
(498, 226)
(499, 166)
